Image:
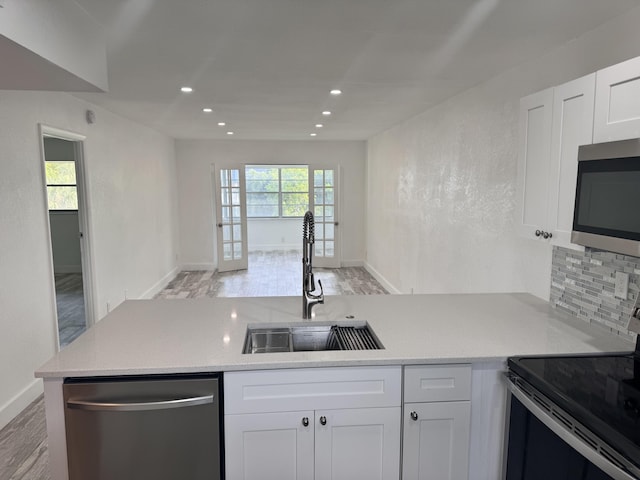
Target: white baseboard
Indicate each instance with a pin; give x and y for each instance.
(380, 278)
(18, 403)
(160, 284)
(194, 267)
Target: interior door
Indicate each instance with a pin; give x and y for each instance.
(231, 218)
(323, 202)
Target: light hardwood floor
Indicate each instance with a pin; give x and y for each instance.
(23, 443)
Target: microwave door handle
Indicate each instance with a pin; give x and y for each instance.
(139, 406)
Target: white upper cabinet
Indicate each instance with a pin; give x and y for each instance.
(534, 161)
(553, 123)
(572, 126)
(617, 112)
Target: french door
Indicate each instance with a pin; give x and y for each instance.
(231, 218)
(323, 202)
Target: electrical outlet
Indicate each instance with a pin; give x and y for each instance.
(622, 285)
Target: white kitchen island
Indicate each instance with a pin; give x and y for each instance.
(146, 337)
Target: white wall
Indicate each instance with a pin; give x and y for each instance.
(441, 186)
(132, 200)
(195, 158)
(274, 234)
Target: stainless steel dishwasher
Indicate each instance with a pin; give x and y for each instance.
(160, 427)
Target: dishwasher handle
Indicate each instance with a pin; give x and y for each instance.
(139, 406)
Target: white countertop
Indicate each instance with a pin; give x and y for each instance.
(181, 336)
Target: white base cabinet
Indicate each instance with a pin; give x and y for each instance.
(357, 444)
(436, 441)
(269, 446)
(437, 422)
(322, 424)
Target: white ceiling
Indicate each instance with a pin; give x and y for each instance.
(266, 66)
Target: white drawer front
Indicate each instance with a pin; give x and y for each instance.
(437, 383)
(311, 388)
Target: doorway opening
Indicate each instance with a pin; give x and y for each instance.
(259, 208)
(67, 214)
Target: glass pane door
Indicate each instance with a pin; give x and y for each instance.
(231, 219)
(324, 199)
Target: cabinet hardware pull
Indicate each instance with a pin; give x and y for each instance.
(538, 233)
(305, 421)
(323, 420)
(414, 416)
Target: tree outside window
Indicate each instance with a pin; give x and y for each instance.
(62, 190)
(277, 191)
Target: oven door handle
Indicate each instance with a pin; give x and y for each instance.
(573, 441)
(139, 406)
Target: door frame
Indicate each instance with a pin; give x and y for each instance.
(84, 221)
(242, 263)
(336, 260)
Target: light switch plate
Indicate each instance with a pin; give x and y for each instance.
(622, 285)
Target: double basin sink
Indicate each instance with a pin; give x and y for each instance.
(308, 338)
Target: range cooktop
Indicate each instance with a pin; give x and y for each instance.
(600, 391)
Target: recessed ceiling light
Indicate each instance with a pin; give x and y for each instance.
(326, 113)
(207, 110)
(186, 89)
(229, 133)
(313, 134)
(335, 91)
(222, 124)
(319, 125)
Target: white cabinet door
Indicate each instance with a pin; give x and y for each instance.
(534, 161)
(358, 444)
(436, 441)
(269, 446)
(617, 112)
(573, 105)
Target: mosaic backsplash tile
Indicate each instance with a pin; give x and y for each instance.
(582, 284)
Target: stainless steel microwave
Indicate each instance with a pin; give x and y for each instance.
(607, 207)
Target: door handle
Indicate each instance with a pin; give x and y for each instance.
(219, 225)
(139, 406)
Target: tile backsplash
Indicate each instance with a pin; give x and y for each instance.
(582, 284)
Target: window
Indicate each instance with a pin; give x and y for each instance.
(62, 192)
(277, 192)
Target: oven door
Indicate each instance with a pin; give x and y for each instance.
(544, 442)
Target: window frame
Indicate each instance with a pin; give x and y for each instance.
(280, 191)
(64, 185)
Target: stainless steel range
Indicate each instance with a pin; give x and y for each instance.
(574, 417)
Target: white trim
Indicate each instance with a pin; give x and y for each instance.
(19, 402)
(160, 284)
(195, 267)
(380, 278)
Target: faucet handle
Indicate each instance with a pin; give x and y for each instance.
(321, 290)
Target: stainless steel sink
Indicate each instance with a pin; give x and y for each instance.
(307, 338)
